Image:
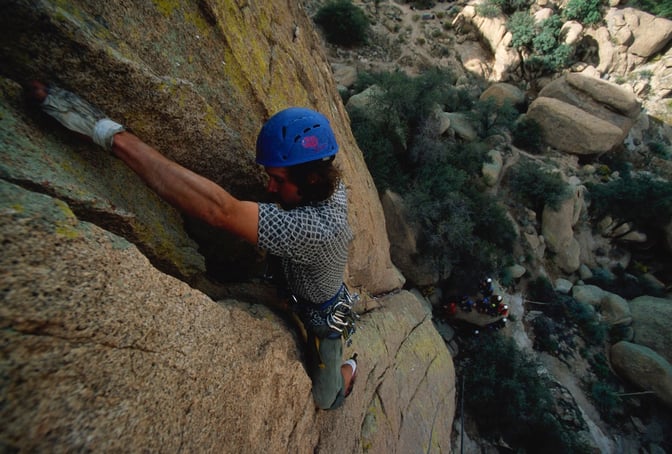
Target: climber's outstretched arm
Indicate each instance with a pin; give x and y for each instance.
(187, 191)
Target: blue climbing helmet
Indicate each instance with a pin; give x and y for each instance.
(294, 136)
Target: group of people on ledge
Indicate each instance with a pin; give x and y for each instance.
(485, 302)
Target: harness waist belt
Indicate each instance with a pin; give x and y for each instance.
(319, 306)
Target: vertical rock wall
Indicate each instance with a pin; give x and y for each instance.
(105, 350)
(196, 80)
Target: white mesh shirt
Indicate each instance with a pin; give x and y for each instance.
(312, 242)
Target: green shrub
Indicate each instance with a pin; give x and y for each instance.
(343, 23)
(509, 7)
(539, 45)
(490, 118)
(527, 134)
(549, 53)
(491, 222)
(423, 4)
(606, 399)
(545, 338)
(600, 367)
(583, 315)
(460, 228)
(604, 388)
(488, 10)
(522, 28)
(662, 8)
(408, 101)
(640, 199)
(509, 399)
(585, 11)
(541, 289)
(537, 186)
(660, 150)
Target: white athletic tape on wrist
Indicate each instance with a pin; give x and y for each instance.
(104, 131)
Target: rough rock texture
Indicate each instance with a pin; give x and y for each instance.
(580, 114)
(614, 308)
(417, 268)
(643, 367)
(588, 134)
(650, 320)
(597, 96)
(492, 170)
(556, 227)
(102, 352)
(103, 348)
(196, 80)
(643, 34)
(503, 92)
(407, 395)
(493, 31)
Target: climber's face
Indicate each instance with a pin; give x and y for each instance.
(282, 187)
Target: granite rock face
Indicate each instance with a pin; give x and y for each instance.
(196, 81)
(124, 325)
(102, 352)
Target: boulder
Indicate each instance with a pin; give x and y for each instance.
(563, 285)
(650, 320)
(503, 92)
(556, 227)
(462, 126)
(417, 381)
(543, 14)
(648, 34)
(365, 100)
(572, 31)
(597, 95)
(585, 272)
(610, 110)
(344, 75)
(494, 33)
(609, 55)
(573, 130)
(613, 308)
(643, 367)
(516, 271)
(104, 353)
(475, 58)
(415, 267)
(491, 170)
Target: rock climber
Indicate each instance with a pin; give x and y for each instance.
(308, 229)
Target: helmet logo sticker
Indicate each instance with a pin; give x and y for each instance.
(312, 142)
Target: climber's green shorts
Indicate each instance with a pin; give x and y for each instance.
(324, 360)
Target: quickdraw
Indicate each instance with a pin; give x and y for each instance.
(337, 314)
(341, 316)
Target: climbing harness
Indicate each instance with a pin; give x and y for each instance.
(337, 314)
